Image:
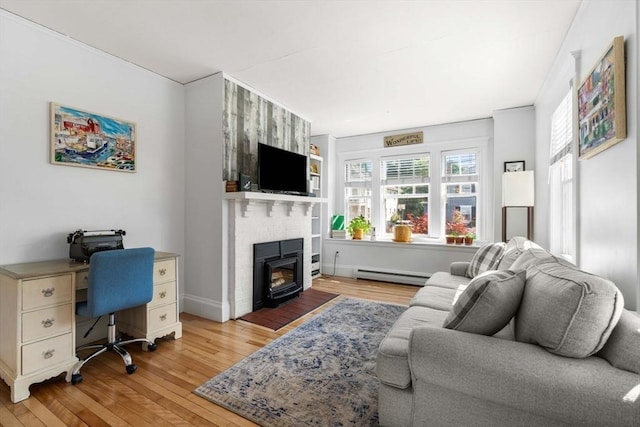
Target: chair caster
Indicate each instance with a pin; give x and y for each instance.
(152, 347)
(76, 379)
(131, 369)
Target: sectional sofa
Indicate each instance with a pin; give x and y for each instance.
(515, 337)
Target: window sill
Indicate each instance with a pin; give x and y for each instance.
(413, 244)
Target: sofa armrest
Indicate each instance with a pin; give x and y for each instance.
(524, 377)
(459, 268)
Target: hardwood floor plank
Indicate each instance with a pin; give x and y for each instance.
(161, 391)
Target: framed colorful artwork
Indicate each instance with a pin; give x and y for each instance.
(601, 103)
(82, 138)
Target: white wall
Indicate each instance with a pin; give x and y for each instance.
(608, 182)
(206, 293)
(513, 139)
(41, 203)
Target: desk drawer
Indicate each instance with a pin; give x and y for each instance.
(46, 322)
(164, 271)
(46, 291)
(163, 293)
(82, 280)
(162, 316)
(42, 354)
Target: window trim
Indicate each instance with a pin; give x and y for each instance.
(484, 208)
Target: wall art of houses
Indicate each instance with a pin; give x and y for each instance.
(82, 138)
(601, 103)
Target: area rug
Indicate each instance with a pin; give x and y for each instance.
(319, 374)
(276, 318)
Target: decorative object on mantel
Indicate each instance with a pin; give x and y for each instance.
(314, 149)
(303, 378)
(358, 227)
(601, 103)
(82, 138)
(514, 166)
(231, 186)
(404, 139)
(518, 192)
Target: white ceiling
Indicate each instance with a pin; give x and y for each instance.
(351, 67)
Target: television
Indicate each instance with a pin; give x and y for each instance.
(281, 171)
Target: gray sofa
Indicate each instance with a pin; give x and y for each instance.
(569, 356)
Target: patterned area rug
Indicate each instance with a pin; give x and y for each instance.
(319, 374)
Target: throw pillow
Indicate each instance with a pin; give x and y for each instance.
(515, 247)
(567, 311)
(486, 258)
(488, 303)
(622, 349)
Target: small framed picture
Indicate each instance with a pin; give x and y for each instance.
(516, 166)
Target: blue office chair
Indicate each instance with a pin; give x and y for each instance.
(118, 279)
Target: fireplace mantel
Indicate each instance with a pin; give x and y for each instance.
(249, 199)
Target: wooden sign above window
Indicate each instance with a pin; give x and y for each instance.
(404, 139)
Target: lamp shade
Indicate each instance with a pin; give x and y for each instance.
(518, 188)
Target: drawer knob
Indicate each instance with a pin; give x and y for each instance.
(48, 354)
(48, 323)
(163, 317)
(48, 292)
(163, 294)
(163, 271)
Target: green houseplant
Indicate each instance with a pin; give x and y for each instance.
(358, 226)
(468, 238)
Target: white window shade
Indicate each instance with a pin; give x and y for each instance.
(518, 189)
(561, 129)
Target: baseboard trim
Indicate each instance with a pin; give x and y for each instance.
(207, 308)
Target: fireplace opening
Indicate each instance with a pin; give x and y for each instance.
(277, 272)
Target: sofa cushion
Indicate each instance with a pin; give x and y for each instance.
(488, 303)
(434, 297)
(567, 311)
(392, 363)
(447, 280)
(486, 258)
(622, 349)
(531, 256)
(515, 247)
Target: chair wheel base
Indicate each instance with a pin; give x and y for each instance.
(76, 379)
(152, 347)
(131, 369)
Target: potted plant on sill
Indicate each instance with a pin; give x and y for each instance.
(468, 238)
(457, 231)
(358, 227)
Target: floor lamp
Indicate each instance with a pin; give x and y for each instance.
(518, 192)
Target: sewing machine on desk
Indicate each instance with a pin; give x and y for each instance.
(38, 323)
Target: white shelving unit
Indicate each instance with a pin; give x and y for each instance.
(315, 186)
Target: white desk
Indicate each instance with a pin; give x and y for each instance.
(37, 317)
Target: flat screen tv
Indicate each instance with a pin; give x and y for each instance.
(281, 171)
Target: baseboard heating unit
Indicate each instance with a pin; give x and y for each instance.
(391, 276)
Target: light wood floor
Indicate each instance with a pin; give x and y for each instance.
(160, 392)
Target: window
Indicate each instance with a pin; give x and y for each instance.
(421, 187)
(460, 182)
(405, 192)
(561, 221)
(357, 184)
